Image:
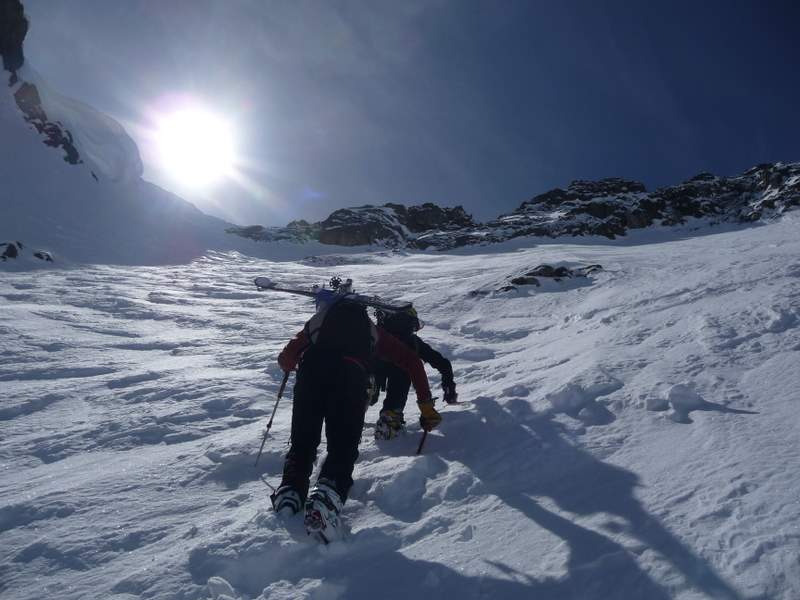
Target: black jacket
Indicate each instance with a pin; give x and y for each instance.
(434, 359)
(426, 353)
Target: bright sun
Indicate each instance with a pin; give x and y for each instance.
(196, 147)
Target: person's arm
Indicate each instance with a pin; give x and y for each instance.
(436, 360)
(392, 350)
(441, 364)
(290, 355)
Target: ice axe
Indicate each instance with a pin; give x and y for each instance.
(425, 432)
(274, 410)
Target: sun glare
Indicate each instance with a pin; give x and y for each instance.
(196, 147)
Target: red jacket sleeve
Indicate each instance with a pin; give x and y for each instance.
(290, 355)
(392, 350)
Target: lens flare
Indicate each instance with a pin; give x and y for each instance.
(196, 147)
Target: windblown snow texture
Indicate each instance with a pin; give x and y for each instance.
(629, 435)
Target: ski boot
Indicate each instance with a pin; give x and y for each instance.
(389, 425)
(286, 501)
(323, 506)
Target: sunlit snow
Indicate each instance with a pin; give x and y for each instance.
(635, 436)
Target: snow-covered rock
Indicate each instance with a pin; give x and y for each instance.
(558, 273)
(17, 254)
(614, 207)
(84, 134)
(10, 250)
(389, 225)
(298, 232)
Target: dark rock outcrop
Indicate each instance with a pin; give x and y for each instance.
(533, 276)
(763, 191)
(10, 250)
(428, 216)
(390, 225)
(13, 29)
(612, 207)
(600, 206)
(565, 278)
(54, 133)
(363, 225)
(13, 250)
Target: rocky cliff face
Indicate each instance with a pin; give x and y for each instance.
(612, 207)
(53, 133)
(608, 207)
(389, 225)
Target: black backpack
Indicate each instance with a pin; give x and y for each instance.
(346, 330)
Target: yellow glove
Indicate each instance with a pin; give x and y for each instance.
(429, 418)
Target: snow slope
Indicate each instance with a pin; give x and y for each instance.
(104, 145)
(97, 210)
(630, 436)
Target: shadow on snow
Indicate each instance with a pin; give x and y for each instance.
(525, 456)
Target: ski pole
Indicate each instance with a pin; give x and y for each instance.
(274, 410)
(422, 441)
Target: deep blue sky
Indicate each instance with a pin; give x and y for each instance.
(479, 103)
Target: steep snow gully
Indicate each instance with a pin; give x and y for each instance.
(634, 436)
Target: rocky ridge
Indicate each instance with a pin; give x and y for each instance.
(390, 225)
(608, 207)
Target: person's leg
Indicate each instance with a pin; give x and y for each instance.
(398, 384)
(345, 406)
(307, 416)
(379, 375)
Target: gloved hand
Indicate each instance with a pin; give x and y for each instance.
(449, 389)
(285, 362)
(429, 418)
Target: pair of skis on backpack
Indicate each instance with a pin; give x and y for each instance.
(342, 291)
